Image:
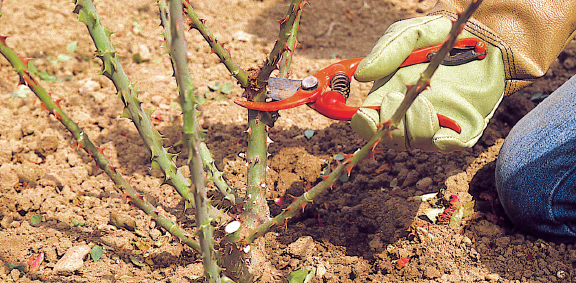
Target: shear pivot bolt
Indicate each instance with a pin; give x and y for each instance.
(309, 83)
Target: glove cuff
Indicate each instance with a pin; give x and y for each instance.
(530, 34)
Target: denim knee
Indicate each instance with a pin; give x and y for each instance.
(536, 168)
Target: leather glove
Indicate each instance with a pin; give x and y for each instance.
(467, 93)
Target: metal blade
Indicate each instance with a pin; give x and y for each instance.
(280, 88)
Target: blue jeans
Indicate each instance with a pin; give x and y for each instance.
(536, 168)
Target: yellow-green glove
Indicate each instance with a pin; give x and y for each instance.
(467, 93)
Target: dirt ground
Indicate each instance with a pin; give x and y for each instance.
(360, 231)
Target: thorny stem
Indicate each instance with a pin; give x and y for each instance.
(383, 130)
(217, 47)
(255, 208)
(236, 71)
(177, 47)
(292, 42)
(288, 27)
(215, 175)
(133, 110)
(83, 141)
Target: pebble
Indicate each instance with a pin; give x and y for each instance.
(493, 277)
(72, 260)
(243, 36)
(424, 184)
(155, 234)
(141, 53)
(301, 247)
(6, 221)
(122, 221)
(89, 86)
(15, 274)
(8, 177)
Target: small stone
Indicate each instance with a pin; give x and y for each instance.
(89, 86)
(51, 180)
(376, 244)
(493, 277)
(411, 178)
(243, 36)
(301, 247)
(431, 272)
(6, 221)
(155, 234)
(424, 184)
(15, 274)
(141, 53)
(72, 260)
(320, 270)
(122, 221)
(15, 224)
(8, 177)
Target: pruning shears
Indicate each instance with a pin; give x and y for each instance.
(327, 90)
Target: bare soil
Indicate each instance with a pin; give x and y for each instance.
(359, 231)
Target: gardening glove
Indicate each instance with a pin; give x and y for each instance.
(467, 93)
(528, 36)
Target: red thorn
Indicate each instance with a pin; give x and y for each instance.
(282, 21)
(348, 169)
(43, 106)
(3, 39)
(303, 206)
(373, 154)
(325, 178)
(56, 114)
(142, 197)
(296, 43)
(112, 167)
(286, 48)
(78, 145)
(25, 60)
(101, 150)
(285, 224)
(375, 144)
(57, 102)
(293, 197)
(212, 51)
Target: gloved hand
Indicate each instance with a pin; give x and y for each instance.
(467, 93)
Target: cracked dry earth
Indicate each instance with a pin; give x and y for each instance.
(362, 230)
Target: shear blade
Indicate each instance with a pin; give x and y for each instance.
(280, 88)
